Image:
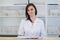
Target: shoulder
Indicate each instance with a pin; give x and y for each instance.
(39, 20)
(23, 20)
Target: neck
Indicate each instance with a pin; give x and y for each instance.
(33, 19)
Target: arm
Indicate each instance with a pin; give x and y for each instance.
(21, 29)
(43, 30)
(21, 32)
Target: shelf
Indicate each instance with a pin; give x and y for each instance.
(53, 16)
(12, 5)
(8, 35)
(20, 17)
(11, 16)
(53, 33)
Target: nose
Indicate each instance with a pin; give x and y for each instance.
(30, 11)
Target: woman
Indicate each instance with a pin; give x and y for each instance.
(31, 27)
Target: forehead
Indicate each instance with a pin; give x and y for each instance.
(30, 7)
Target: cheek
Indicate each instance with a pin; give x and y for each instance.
(34, 11)
(29, 13)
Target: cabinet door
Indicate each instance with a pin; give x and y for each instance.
(13, 2)
(12, 11)
(53, 24)
(53, 10)
(38, 1)
(41, 10)
(53, 1)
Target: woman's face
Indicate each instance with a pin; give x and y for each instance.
(31, 11)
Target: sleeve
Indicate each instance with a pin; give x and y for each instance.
(21, 29)
(43, 30)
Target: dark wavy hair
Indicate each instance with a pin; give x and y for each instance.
(26, 13)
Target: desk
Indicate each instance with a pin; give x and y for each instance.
(53, 38)
(15, 38)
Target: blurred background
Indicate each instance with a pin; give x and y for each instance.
(12, 11)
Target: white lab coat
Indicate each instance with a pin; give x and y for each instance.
(28, 30)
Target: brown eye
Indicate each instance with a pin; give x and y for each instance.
(31, 9)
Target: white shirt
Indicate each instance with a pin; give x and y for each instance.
(28, 30)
